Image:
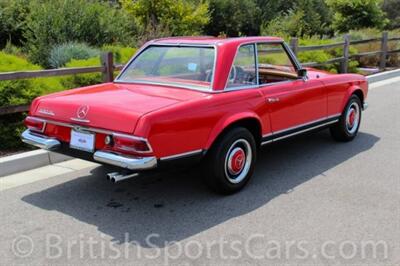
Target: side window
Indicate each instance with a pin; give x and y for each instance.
(243, 70)
(274, 64)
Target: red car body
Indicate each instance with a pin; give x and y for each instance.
(176, 122)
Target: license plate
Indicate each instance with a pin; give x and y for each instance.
(82, 141)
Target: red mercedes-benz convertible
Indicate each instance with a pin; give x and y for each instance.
(201, 98)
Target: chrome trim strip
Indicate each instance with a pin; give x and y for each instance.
(257, 70)
(46, 112)
(306, 124)
(292, 56)
(299, 126)
(37, 140)
(175, 85)
(128, 162)
(80, 120)
(91, 129)
(40, 120)
(335, 115)
(305, 130)
(285, 47)
(136, 138)
(180, 155)
(96, 130)
(266, 142)
(267, 135)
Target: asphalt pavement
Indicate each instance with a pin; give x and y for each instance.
(312, 201)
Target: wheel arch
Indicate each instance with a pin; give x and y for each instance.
(250, 121)
(353, 90)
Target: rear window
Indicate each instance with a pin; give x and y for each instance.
(186, 66)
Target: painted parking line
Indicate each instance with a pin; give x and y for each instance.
(42, 173)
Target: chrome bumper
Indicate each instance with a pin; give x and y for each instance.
(40, 141)
(131, 163)
(124, 161)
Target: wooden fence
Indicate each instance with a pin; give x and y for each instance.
(107, 67)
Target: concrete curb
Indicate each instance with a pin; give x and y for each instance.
(38, 158)
(383, 76)
(29, 160)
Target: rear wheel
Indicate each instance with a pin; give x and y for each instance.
(347, 127)
(230, 162)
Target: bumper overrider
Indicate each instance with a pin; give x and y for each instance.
(123, 161)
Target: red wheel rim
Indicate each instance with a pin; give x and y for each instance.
(236, 161)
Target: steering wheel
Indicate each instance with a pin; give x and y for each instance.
(233, 74)
(209, 73)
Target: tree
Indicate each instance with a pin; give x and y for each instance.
(168, 17)
(12, 21)
(271, 9)
(234, 18)
(392, 9)
(357, 14)
(52, 22)
(305, 18)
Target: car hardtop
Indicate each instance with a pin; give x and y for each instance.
(210, 40)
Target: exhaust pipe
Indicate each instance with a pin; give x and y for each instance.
(117, 177)
(110, 175)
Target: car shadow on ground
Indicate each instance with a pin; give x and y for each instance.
(177, 206)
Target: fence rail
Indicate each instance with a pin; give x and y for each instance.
(108, 68)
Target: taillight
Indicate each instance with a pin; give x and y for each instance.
(130, 144)
(35, 124)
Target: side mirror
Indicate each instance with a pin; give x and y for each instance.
(302, 73)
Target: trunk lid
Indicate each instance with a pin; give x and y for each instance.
(111, 106)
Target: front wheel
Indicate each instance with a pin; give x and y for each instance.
(230, 162)
(346, 128)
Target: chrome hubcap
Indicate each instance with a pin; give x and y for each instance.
(352, 118)
(238, 161)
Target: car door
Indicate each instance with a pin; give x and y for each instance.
(293, 103)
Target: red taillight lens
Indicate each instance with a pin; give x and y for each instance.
(35, 124)
(130, 144)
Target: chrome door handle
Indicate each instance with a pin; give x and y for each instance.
(273, 100)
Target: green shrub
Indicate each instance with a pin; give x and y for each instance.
(321, 56)
(13, 15)
(121, 54)
(234, 18)
(357, 14)
(23, 91)
(60, 55)
(176, 17)
(15, 92)
(373, 61)
(58, 21)
(80, 80)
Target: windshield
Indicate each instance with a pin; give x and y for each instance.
(183, 66)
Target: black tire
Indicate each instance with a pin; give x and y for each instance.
(230, 162)
(343, 130)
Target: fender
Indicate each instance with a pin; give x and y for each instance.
(228, 120)
(349, 92)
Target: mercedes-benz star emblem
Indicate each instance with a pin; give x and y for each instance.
(82, 111)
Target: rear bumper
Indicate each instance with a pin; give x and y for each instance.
(40, 141)
(123, 161)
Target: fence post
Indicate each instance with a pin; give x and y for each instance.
(108, 63)
(346, 48)
(384, 50)
(294, 45)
